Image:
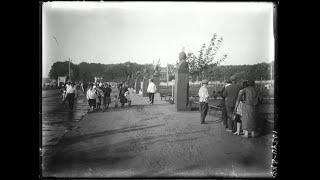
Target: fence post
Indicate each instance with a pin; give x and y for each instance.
(172, 88)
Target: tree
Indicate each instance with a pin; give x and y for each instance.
(207, 55)
(59, 69)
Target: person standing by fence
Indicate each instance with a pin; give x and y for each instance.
(240, 108)
(223, 104)
(231, 94)
(203, 99)
(151, 90)
(249, 118)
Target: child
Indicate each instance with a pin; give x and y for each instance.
(98, 100)
(127, 95)
(116, 101)
(64, 94)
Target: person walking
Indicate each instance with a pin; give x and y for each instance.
(249, 109)
(116, 101)
(91, 97)
(151, 90)
(68, 86)
(72, 94)
(106, 97)
(63, 93)
(203, 99)
(99, 97)
(231, 94)
(122, 97)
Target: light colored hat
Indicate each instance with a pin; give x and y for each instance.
(204, 81)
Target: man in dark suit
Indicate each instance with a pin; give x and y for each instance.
(231, 94)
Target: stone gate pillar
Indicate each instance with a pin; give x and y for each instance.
(137, 84)
(145, 83)
(181, 88)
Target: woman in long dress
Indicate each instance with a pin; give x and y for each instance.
(249, 109)
(240, 107)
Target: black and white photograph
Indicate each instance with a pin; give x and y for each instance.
(158, 89)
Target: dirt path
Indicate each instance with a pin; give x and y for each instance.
(156, 140)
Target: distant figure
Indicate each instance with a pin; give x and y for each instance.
(127, 95)
(203, 99)
(116, 101)
(151, 90)
(68, 86)
(85, 86)
(131, 92)
(231, 94)
(63, 93)
(72, 95)
(119, 86)
(250, 108)
(99, 97)
(122, 98)
(91, 97)
(106, 97)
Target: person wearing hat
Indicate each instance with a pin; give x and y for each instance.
(203, 99)
(250, 108)
(224, 110)
(231, 94)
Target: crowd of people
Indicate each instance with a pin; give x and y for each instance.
(98, 95)
(239, 103)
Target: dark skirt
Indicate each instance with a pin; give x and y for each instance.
(249, 118)
(92, 102)
(106, 100)
(123, 99)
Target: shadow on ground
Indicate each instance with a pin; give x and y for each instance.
(71, 140)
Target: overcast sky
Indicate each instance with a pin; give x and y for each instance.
(117, 32)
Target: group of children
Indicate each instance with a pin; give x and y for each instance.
(98, 96)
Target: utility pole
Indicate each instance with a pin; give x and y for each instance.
(69, 70)
(167, 74)
(271, 74)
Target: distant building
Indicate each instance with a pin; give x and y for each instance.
(62, 80)
(97, 79)
(163, 74)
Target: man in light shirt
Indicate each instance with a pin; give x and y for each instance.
(203, 99)
(91, 96)
(151, 90)
(72, 94)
